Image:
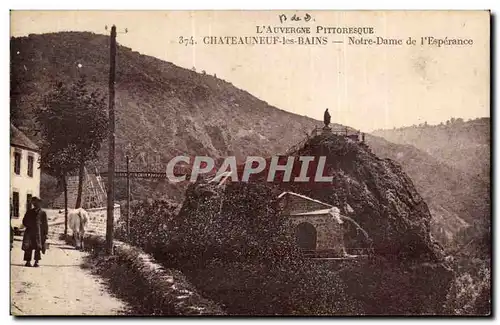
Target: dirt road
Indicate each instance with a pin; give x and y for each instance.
(59, 286)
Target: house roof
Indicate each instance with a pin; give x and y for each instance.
(304, 197)
(19, 139)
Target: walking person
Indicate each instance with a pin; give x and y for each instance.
(35, 235)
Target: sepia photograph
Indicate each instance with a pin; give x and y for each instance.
(250, 163)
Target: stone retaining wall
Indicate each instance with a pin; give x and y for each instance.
(147, 285)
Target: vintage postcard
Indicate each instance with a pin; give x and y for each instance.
(256, 163)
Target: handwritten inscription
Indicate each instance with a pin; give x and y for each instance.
(295, 17)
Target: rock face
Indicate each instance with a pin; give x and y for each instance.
(408, 274)
(455, 198)
(376, 193)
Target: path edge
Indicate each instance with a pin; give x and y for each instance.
(164, 290)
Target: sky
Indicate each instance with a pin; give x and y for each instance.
(365, 87)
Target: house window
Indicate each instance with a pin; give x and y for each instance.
(30, 165)
(17, 162)
(28, 201)
(15, 205)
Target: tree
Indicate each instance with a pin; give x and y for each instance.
(58, 156)
(90, 112)
(73, 124)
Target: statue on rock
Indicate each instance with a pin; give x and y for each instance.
(326, 119)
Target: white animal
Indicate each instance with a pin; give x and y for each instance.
(77, 220)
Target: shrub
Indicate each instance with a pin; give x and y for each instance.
(235, 223)
(469, 293)
(255, 288)
(149, 224)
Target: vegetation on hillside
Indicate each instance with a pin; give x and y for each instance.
(464, 145)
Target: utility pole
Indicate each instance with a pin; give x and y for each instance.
(111, 149)
(128, 198)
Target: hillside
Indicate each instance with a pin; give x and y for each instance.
(463, 151)
(456, 199)
(161, 110)
(462, 145)
(160, 107)
(164, 111)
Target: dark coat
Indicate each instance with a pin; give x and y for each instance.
(37, 228)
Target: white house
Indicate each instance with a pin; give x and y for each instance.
(24, 174)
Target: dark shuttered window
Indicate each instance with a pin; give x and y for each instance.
(17, 163)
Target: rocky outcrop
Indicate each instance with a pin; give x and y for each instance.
(376, 193)
(408, 274)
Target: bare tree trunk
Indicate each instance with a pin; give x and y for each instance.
(81, 176)
(65, 185)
